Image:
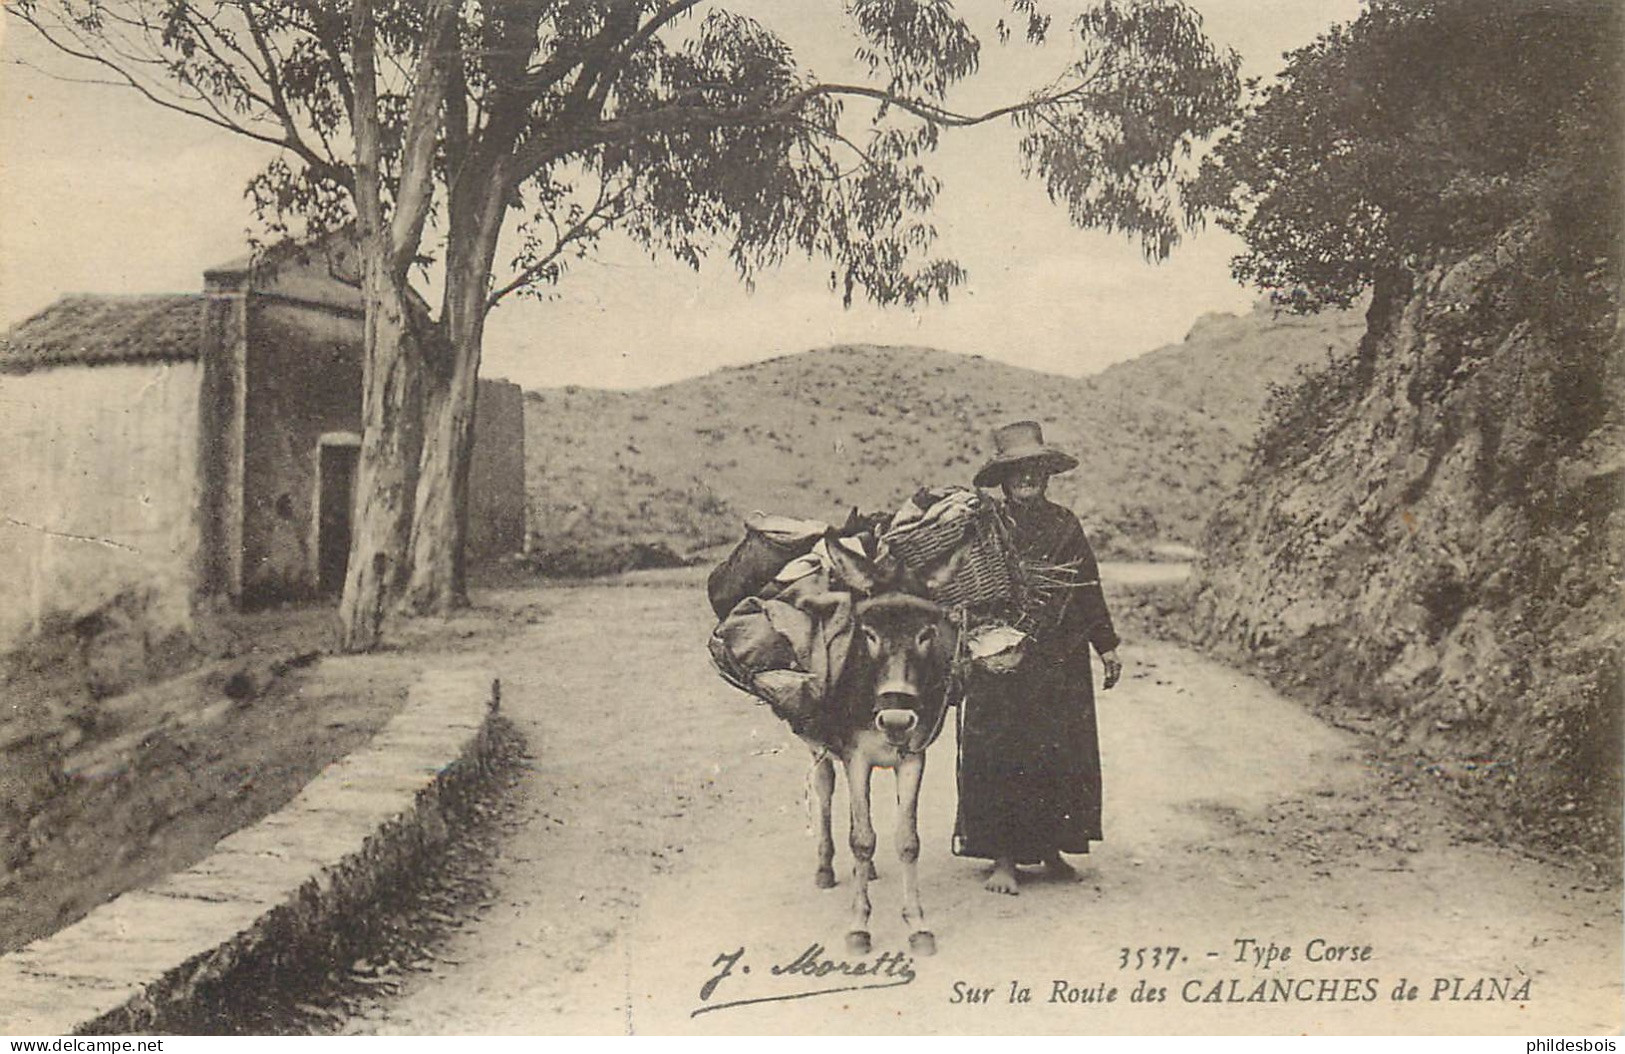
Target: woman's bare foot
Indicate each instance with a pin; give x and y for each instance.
(1003, 878)
(1059, 869)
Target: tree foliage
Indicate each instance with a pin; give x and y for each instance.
(689, 125)
(1424, 126)
(1115, 152)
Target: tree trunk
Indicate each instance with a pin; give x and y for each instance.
(391, 399)
(386, 473)
(440, 519)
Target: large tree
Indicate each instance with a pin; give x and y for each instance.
(689, 125)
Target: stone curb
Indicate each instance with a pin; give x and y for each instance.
(269, 893)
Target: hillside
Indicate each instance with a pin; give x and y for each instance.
(1430, 543)
(1160, 439)
(1226, 364)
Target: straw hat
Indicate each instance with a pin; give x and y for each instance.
(1022, 443)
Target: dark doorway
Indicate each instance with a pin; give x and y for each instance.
(334, 510)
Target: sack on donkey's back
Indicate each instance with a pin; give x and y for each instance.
(770, 542)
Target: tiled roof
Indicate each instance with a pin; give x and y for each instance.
(91, 330)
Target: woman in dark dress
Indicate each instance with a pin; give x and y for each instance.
(1029, 754)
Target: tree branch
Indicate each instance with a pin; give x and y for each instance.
(284, 110)
(598, 57)
(679, 117)
(662, 18)
(330, 36)
(415, 190)
(368, 135)
(64, 78)
(532, 81)
(207, 33)
(605, 210)
(457, 129)
(212, 116)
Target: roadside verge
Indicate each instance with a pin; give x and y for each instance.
(270, 893)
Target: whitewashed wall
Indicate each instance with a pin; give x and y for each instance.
(98, 491)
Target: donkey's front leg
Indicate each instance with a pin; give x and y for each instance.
(909, 774)
(858, 768)
(823, 786)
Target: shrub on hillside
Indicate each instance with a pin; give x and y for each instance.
(1300, 415)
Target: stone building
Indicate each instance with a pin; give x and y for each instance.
(185, 447)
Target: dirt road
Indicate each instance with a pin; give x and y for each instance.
(665, 826)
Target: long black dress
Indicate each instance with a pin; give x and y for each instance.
(1029, 752)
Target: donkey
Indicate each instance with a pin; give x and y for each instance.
(887, 706)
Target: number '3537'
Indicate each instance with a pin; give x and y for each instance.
(1158, 957)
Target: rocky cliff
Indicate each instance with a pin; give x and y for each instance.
(1428, 539)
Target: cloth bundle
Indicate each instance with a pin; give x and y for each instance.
(788, 643)
(949, 505)
(996, 647)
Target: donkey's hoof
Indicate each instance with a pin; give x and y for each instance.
(873, 874)
(857, 942)
(825, 878)
(922, 943)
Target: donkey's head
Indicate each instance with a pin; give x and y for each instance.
(907, 643)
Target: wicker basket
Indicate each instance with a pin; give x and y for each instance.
(982, 576)
(921, 543)
(982, 564)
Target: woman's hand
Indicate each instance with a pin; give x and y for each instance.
(1114, 667)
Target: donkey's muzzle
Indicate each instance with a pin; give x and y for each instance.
(896, 724)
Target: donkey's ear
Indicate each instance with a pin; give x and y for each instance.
(849, 570)
(894, 575)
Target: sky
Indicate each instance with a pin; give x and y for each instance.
(103, 192)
